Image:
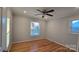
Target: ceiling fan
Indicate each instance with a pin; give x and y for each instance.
(45, 12)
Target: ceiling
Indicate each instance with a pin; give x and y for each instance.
(59, 11)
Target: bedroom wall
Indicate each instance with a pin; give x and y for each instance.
(21, 29)
(78, 44)
(60, 32)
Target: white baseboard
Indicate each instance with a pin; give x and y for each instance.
(26, 41)
(64, 45)
(20, 41)
(73, 47)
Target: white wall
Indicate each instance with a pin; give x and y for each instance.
(59, 30)
(78, 43)
(21, 29)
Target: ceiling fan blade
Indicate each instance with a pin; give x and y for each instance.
(39, 10)
(50, 11)
(49, 14)
(38, 14)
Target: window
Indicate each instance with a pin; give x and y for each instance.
(35, 29)
(75, 26)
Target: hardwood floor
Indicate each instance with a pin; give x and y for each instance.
(42, 45)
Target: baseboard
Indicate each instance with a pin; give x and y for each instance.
(71, 47)
(25, 41)
(19, 41)
(64, 45)
(9, 47)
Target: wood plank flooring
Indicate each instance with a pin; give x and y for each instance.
(42, 45)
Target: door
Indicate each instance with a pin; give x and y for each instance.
(8, 32)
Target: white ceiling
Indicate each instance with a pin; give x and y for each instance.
(59, 11)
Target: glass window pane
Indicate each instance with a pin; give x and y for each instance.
(35, 29)
(75, 26)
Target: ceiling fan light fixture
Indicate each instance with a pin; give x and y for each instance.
(43, 16)
(25, 11)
